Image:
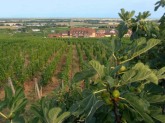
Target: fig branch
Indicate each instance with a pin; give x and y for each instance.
(115, 105)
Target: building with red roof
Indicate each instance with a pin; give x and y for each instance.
(82, 32)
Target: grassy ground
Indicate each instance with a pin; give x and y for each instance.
(57, 29)
(8, 27)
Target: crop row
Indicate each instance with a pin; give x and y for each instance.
(48, 71)
(65, 72)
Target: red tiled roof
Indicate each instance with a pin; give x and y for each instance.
(101, 31)
(99, 34)
(83, 30)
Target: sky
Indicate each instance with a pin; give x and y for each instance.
(75, 8)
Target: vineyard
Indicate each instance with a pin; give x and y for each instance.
(86, 80)
(24, 60)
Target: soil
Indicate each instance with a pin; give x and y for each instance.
(56, 79)
(26, 60)
(29, 84)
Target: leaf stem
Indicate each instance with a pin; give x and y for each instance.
(126, 60)
(100, 91)
(114, 56)
(115, 105)
(3, 115)
(122, 98)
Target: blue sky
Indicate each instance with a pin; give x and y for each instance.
(76, 8)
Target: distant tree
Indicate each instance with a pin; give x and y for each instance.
(2, 24)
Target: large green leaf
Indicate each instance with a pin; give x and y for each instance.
(150, 44)
(159, 117)
(87, 103)
(62, 117)
(160, 73)
(19, 105)
(46, 112)
(154, 110)
(83, 75)
(8, 92)
(96, 105)
(115, 45)
(98, 67)
(136, 104)
(116, 69)
(121, 16)
(110, 81)
(53, 113)
(108, 69)
(156, 98)
(143, 73)
(122, 29)
(127, 76)
(18, 119)
(131, 115)
(36, 112)
(139, 72)
(3, 104)
(131, 14)
(35, 120)
(152, 88)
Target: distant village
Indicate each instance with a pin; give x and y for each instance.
(87, 32)
(79, 32)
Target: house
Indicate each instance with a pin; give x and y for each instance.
(52, 31)
(129, 33)
(18, 31)
(64, 34)
(110, 32)
(53, 35)
(17, 26)
(35, 30)
(101, 31)
(98, 35)
(82, 32)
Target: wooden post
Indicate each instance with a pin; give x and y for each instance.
(37, 89)
(11, 85)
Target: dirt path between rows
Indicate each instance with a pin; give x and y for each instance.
(29, 84)
(56, 79)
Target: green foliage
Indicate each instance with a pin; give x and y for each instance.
(132, 95)
(143, 16)
(15, 104)
(104, 61)
(47, 113)
(159, 3)
(125, 16)
(65, 73)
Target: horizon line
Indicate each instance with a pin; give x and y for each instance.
(63, 17)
